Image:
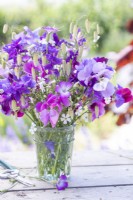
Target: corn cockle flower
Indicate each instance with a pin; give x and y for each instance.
(49, 110)
(65, 118)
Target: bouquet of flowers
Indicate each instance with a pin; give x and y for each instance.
(48, 79)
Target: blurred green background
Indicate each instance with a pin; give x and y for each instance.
(110, 15)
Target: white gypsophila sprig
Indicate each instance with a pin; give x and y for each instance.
(41, 84)
(107, 100)
(1, 91)
(79, 111)
(33, 128)
(65, 118)
(85, 117)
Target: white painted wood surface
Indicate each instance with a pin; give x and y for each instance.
(96, 175)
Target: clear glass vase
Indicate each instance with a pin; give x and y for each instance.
(54, 152)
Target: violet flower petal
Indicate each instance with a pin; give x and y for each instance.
(50, 145)
(62, 184)
(53, 115)
(109, 90)
(44, 117)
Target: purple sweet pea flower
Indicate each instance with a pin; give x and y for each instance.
(63, 89)
(100, 69)
(89, 69)
(123, 95)
(50, 29)
(28, 67)
(28, 81)
(97, 110)
(14, 48)
(62, 183)
(101, 59)
(109, 91)
(102, 85)
(85, 70)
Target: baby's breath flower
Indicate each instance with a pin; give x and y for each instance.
(85, 117)
(79, 111)
(41, 84)
(107, 100)
(33, 128)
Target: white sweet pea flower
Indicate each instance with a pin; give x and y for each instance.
(79, 111)
(65, 118)
(33, 128)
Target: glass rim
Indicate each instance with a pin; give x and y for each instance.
(55, 128)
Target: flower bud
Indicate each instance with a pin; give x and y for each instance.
(71, 28)
(98, 29)
(97, 111)
(13, 35)
(6, 56)
(16, 115)
(22, 101)
(43, 60)
(5, 28)
(96, 37)
(64, 66)
(89, 117)
(14, 105)
(3, 63)
(48, 37)
(19, 59)
(68, 68)
(16, 71)
(33, 73)
(63, 48)
(71, 112)
(87, 25)
(35, 59)
(80, 51)
(75, 29)
(79, 35)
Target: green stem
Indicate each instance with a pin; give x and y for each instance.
(47, 158)
(79, 116)
(57, 155)
(30, 118)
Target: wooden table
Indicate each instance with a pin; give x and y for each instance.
(96, 175)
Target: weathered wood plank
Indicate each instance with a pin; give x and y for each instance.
(85, 177)
(27, 159)
(108, 193)
(123, 154)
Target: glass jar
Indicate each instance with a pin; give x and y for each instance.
(54, 152)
